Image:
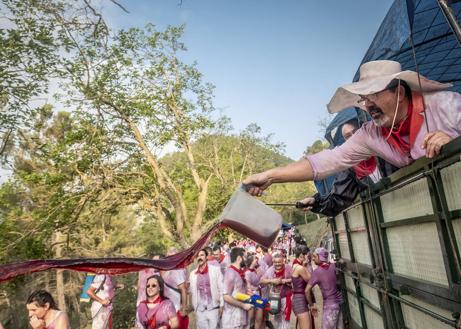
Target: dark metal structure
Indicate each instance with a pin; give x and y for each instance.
(400, 246)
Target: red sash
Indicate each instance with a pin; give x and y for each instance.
(289, 295)
(410, 126)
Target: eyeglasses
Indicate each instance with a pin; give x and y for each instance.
(371, 98)
(151, 286)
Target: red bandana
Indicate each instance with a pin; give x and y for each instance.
(281, 273)
(204, 271)
(403, 129)
(325, 265)
(296, 261)
(365, 168)
(240, 272)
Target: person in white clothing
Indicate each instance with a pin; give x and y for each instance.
(206, 288)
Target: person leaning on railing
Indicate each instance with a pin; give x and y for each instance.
(406, 124)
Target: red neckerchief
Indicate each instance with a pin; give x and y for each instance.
(250, 270)
(204, 271)
(156, 301)
(296, 261)
(365, 168)
(281, 273)
(325, 265)
(403, 129)
(221, 258)
(240, 272)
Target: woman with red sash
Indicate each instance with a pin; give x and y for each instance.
(156, 312)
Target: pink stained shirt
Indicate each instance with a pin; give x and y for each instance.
(174, 278)
(142, 281)
(162, 312)
(233, 316)
(443, 112)
(204, 291)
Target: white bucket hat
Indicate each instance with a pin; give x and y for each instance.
(374, 77)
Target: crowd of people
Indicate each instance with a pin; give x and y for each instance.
(283, 280)
(411, 117)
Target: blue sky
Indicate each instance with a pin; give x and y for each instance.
(273, 62)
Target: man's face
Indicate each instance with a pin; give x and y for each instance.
(278, 263)
(381, 106)
(38, 311)
(201, 257)
(152, 287)
(316, 258)
(217, 254)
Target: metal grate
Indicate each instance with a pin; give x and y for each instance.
(414, 318)
(412, 200)
(457, 230)
(361, 247)
(374, 320)
(415, 252)
(370, 294)
(349, 283)
(354, 308)
(343, 246)
(355, 217)
(451, 178)
(340, 223)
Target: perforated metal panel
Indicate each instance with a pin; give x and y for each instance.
(355, 217)
(374, 320)
(412, 200)
(451, 178)
(354, 308)
(343, 246)
(370, 294)
(457, 229)
(361, 247)
(340, 223)
(415, 319)
(349, 283)
(415, 252)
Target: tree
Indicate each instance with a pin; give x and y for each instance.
(37, 37)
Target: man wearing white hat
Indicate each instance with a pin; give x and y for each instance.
(412, 117)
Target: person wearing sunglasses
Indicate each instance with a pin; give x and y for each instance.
(412, 117)
(157, 311)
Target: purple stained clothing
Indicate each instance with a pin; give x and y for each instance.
(299, 302)
(204, 291)
(443, 112)
(142, 281)
(332, 318)
(233, 316)
(163, 312)
(252, 279)
(173, 279)
(284, 288)
(326, 280)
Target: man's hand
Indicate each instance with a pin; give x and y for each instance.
(257, 183)
(434, 141)
(36, 323)
(277, 281)
(307, 203)
(105, 302)
(247, 307)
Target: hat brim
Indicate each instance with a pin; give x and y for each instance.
(348, 95)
